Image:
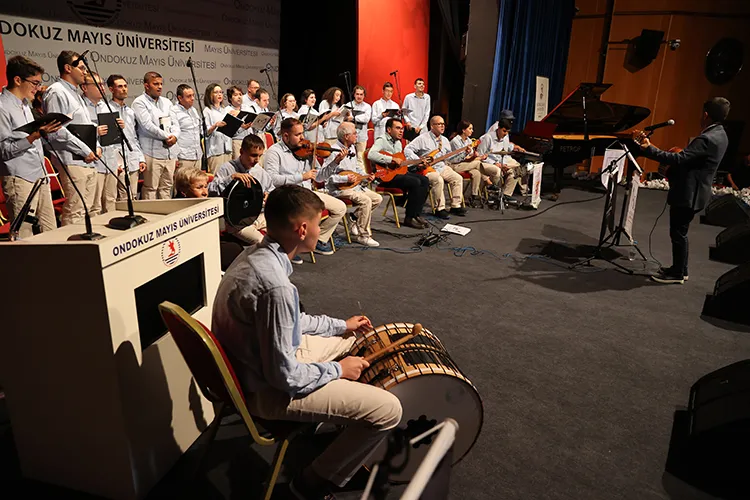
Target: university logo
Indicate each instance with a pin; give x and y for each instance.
(170, 252)
(96, 12)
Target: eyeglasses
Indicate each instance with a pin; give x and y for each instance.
(35, 83)
(441, 124)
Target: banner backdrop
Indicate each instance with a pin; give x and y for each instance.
(229, 42)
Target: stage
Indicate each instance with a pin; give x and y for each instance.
(580, 372)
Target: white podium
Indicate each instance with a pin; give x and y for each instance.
(100, 398)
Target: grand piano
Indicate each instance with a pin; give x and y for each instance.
(561, 136)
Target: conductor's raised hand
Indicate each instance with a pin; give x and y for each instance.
(352, 366)
(359, 324)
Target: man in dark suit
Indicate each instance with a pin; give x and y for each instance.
(691, 173)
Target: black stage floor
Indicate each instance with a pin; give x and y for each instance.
(580, 372)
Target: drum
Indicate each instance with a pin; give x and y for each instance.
(242, 205)
(429, 385)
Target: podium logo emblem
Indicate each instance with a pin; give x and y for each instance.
(96, 12)
(170, 252)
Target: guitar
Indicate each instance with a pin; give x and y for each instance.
(665, 170)
(386, 173)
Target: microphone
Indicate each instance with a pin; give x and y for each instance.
(189, 63)
(264, 70)
(393, 72)
(78, 59)
(344, 73)
(651, 128)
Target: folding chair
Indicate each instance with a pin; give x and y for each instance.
(217, 381)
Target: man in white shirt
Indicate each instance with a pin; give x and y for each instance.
(417, 108)
(423, 145)
(249, 98)
(62, 97)
(492, 144)
(360, 122)
(379, 114)
(257, 106)
(106, 183)
(158, 131)
(190, 153)
(134, 163)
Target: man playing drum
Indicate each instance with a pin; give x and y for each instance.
(294, 366)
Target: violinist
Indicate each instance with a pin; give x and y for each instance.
(286, 168)
(342, 168)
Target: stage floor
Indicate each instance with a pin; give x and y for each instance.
(580, 372)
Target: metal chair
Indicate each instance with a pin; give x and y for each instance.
(217, 381)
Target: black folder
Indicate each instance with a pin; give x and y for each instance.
(86, 133)
(31, 127)
(112, 136)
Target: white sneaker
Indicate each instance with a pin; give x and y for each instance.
(353, 228)
(367, 241)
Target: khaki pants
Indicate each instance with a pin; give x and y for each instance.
(361, 146)
(85, 179)
(437, 186)
(477, 169)
(158, 179)
(236, 146)
(16, 192)
(368, 412)
(510, 182)
(251, 233)
(190, 163)
(336, 211)
(121, 195)
(215, 162)
(105, 195)
(364, 203)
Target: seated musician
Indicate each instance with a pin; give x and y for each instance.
(286, 168)
(421, 147)
(294, 366)
(342, 168)
(470, 161)
(415, 186)
(496, 143)
(247, 170)
(505, 114)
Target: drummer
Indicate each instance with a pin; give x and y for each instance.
(247, 170)
(293, 366)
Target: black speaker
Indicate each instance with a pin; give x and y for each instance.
(721, 398)
(732, 245)
(729, 302)
(726, 211)
(643, 49)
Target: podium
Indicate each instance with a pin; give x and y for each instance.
(99, 396)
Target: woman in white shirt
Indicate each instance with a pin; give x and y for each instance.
(287, 109)
(218, 145)
(313, 128)
(234, 96)
(475, 164)
(332, 100)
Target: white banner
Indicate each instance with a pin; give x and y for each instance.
(542, 97)
(132, 54)
(630, 216)
(536, 184)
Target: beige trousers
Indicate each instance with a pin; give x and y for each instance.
(158, 179)
(85, 179)
(361, 146)
(251, 233)
(16, 191)
(121, 196)
(437, 186)
(236, 145)
(510, 182)
(105, 195)
(214, 162)
(364, 203)
(368, 412)
(478, 170)
(336, 211)
(190, 163)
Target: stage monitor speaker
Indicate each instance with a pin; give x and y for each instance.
(720, 398)
(732, 245)
(643, 49)
(726, 211)
(729, 301)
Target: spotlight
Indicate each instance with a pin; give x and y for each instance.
(674, 44)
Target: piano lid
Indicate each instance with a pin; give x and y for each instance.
(603, 117)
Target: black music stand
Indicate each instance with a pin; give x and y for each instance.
(613, 238)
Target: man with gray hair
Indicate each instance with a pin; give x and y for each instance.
(341, 170)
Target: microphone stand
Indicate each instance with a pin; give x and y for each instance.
(267, 70)
(203, 132)
(400, 115)
(89, 235)
(131, 220)
(23, 214)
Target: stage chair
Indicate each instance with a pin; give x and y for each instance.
(217, 381)
(269, 140)
(4, 222)
(392, 193)
(370, 138)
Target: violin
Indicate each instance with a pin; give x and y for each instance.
(306, 149)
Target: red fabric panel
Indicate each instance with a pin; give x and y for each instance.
(392, 34)
(3, 81)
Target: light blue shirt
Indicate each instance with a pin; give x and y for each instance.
(149, 116)
(134, 157)
(284, 167)
(384, 143)
(62, 97)
(490, 143)
(257, 320)
(216, 142)
(108, 153)
(427, 143)
(189, 142)
(18, 157)
(329, 172)
(458, 143)
(223, 177)
(417, 111)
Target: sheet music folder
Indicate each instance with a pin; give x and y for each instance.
(32, 127)
(86, 133)
(112, 136)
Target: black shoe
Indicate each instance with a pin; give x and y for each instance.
(509, 200)
(475, 202)
(424, 223)
(443, 214)
(670, 270)
(668, 278)
(414, 223)
(461, 212)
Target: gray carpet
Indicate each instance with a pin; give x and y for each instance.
(580, 372)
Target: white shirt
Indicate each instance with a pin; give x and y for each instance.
(284, 167)
(282, 115)
(361, 120)
(189, 142)
(489, 143)
(427, 143)
(417, 111)
(378, 107)
(329, 172)
(216, 142)
(108, 153)
(62, 97)
(310, 135)
(148, 114)
(332, 124)
(134, 157)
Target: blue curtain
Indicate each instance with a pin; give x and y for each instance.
(533, 37)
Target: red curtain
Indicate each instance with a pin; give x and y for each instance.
(392, 34)
(3, 82)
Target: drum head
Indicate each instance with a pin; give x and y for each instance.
(427, 400)
(242, 205)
